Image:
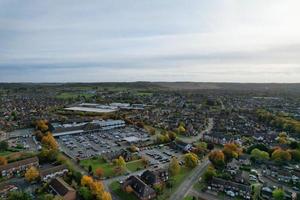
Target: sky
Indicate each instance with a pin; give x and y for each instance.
(149, 40)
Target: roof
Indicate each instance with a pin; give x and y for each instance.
(231, 184)
(47, 171)
(19, 163)
(140, 187)
(60, 186)
(131, 139)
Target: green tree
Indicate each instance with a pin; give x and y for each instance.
(174, 167)
(191, 160)
(259, 155)
(3, 145)
(18, 195)
(278, 194)
(85, 193)
(209, 174)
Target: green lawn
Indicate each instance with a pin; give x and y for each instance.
(188, 198)
(135, 165)
(116, 189)
(95, 163)
(177, 180)
(5, 153)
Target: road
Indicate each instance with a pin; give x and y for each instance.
(188, 183)
(192, 139)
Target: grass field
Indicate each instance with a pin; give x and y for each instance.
(116, 189)
(176, 181)
(135, 165)
(188, 198)
(95, 163)
(6, 153)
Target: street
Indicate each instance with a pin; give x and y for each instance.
(188, 183)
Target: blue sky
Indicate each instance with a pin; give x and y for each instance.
(142, 40)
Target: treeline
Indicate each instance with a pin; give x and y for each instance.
(279, 121)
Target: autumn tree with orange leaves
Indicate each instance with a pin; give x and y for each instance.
(96, 188)
(99, 172)
(231, 151)
(3, 160)
(217, 158)
(31, 174)
(49, 141)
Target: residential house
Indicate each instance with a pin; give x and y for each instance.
(53, 172)
(155, 177)
(18, 167)
(140, 188)
(59, 187)
(238, 189)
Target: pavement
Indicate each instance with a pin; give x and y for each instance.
(189, 182)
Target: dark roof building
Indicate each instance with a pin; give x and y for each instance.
(140, 189)
(18, 167)
(63, 189)
(155, 177)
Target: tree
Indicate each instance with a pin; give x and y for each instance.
(3, 160)
(106, 196)
(134, 148)
(181, 129)
(294, 145)
(217, 158)
(259, 155)
(42, 125)
(281, 156)
(278, 194)
(31, 174)
(120, 162)
(209, 174)
(145, 161)
(256, 189)
(99, 172)
(261, 147)
(191, 160)
(151, 130)
(3, 145)
(172, 135)
(18, 195)
(159, 188)
(85, 193)
(174, 167)
(128, 189)
(49, 141)
(97, 188)
(86, 181)
(295, 155)
(210, 146)
(90, 169)
(231, 150)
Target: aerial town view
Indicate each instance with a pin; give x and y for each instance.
(149, 100)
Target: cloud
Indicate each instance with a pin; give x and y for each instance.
(245, 41)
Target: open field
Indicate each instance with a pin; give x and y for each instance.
(96, 163)
(176, 181)
(116, 189)
(135, 165)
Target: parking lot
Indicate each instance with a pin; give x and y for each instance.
(91, 144)
(160, 155)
